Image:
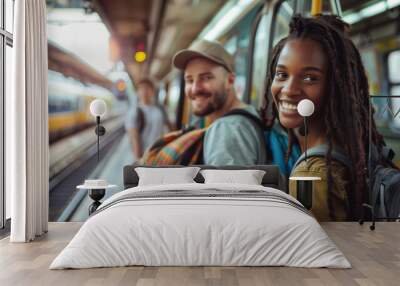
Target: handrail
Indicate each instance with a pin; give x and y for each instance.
(316, 7)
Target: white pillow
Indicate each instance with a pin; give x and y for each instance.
(248, 177)
(162, 176)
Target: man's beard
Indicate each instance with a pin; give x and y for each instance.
(217, 102)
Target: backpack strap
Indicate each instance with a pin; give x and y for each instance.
(387, 153)
(321, 151)
(163, 112)
(141, 119)
(248, 115)
(275, 142)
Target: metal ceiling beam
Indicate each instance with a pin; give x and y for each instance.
(156, 19)
(66, 63)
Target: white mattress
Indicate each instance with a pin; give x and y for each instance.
(189, 230)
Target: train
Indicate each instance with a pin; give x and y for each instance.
(69, 102)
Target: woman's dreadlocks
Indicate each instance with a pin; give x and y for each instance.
(346, 109)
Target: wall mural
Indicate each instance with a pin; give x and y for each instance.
(302, 106)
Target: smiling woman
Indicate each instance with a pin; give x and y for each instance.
(319, 62)
(300, 73)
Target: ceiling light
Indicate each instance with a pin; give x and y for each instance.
(370, 11)
(228, 15)
(140, 56)
(393, 3)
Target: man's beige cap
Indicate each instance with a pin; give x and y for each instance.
(212, 51)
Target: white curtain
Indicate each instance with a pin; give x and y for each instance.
(27, 124)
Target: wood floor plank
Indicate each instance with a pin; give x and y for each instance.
(212, 273)
(131, 276)
(374, 255)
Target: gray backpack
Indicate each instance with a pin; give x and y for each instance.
(384, 193)
(385, 185)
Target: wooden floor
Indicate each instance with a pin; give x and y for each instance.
(374, 255)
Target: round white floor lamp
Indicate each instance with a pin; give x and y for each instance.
(305, 184)
(97, 108)
(305, 108)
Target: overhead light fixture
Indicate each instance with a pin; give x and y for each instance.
(140, 56)
(228, 15)
(352, 18)
(393, 3)
(286, 6)
(371, 10)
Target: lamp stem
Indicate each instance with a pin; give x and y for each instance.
(98, 138)
(305, 139)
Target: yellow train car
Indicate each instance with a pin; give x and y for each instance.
(69, 102)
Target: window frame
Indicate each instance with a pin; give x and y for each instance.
(263, 11)
(390, 82)
(236, 32)
(269, 10)
(6, 39)
(389, 85)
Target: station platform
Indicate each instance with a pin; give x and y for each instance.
(110, 168)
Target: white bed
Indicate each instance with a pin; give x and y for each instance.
(222, 225)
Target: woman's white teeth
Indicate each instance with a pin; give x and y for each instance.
(289, 106)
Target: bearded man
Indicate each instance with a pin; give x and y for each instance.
(209, 85)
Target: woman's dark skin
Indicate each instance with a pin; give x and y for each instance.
(301, 73)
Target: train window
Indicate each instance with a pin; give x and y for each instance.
(162, 95)
(394, 66)
(172, 92)
(65, 105)
(395, 105)
(237, 43)
(241, 64)
(173, 95)
(394, 84)
(52, 106)
(283, 16)
(371, 65)
(231, 45)
(287, 9)
(259, 62)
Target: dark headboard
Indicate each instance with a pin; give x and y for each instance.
(272, 178)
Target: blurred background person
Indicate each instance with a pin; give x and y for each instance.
(146, 121)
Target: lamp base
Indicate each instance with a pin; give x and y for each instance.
(96, 195)
(93, 207)
(305, 192)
